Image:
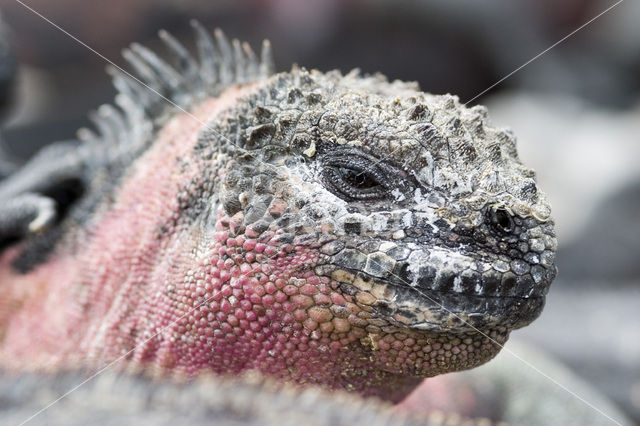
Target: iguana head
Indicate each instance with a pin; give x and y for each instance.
(319, 227)
(416, 209)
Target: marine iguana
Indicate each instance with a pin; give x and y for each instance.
(320, 228)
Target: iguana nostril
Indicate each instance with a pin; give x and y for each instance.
(502, 220)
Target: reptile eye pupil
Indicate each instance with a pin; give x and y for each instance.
(357, 179)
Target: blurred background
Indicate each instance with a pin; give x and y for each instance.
(575, 110)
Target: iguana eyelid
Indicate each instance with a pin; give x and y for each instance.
(334, 178)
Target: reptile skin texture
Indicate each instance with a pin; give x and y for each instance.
(319, 228)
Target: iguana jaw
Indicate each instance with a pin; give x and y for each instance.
(448, 281)
(444, 310)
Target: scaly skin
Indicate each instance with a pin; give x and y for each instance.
(115, 399)
(319, 228)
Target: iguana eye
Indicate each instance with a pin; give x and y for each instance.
(358, 179)
(354, 178)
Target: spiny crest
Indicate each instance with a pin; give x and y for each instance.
(160, 87)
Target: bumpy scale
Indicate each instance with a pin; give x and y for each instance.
(318, 227)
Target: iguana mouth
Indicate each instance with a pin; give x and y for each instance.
(443, 309)
(458, 277)
(469, 283)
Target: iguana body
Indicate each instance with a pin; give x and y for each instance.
(502, 391)
(318, 228)
(116, 399)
